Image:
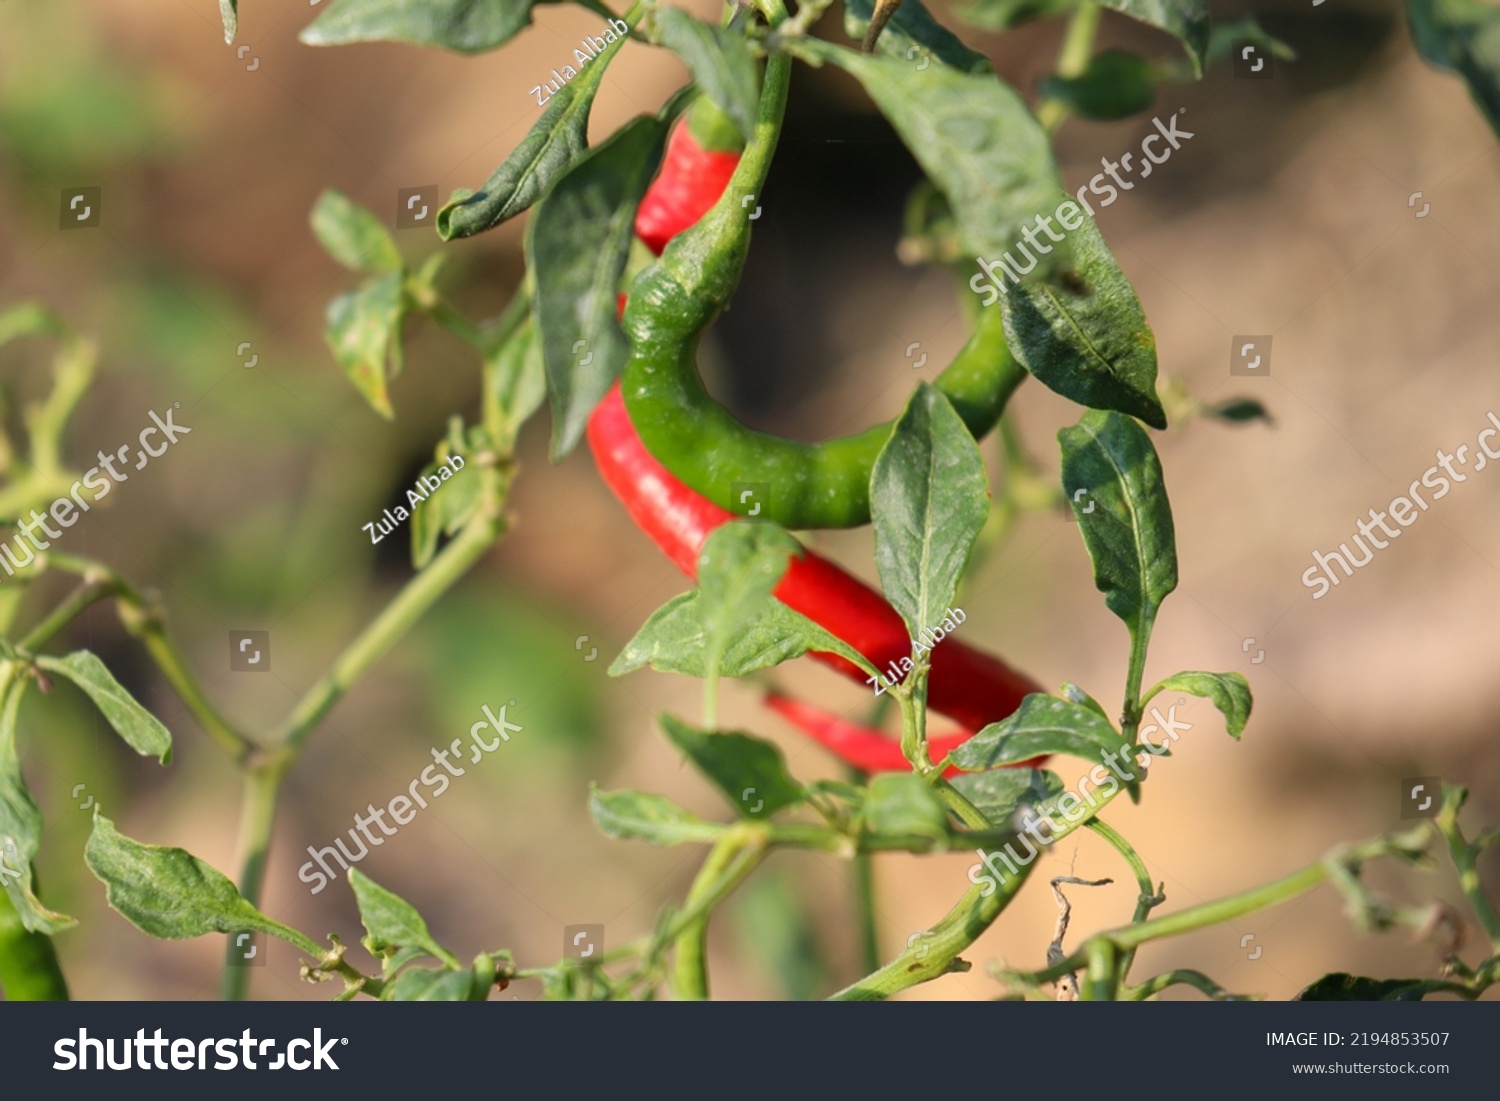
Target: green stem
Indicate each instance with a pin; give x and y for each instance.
(967, 812)
(864, 908)
(911, 696)
(1195, 917)
(1465, 861)
(143, 619)
(88, 593)
(420, 593)
(257, 820)
(1072, 60)
(864, 871)
(1130, 718)
(936, 955)
(11, 597)
(1196, 979)
(456, 323)
(263, 782)
(1148, 898)
(959, 928)
(1101, 982)
(34, 486)
(729, 862)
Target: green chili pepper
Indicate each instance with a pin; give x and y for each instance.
(824, 485)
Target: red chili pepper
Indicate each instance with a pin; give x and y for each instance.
(866, 749)
(691, 180)
(967, 685)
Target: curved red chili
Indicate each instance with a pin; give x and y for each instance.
(967, 685)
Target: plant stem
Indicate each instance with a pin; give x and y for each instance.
(967, 812)
(1465, 861)
(1148, 898)
(263, 782)
(958, 929)
(729, 862)
(1134, 675)
(143, 619)
(441, 311)
(1196, 979)
(911, 697)
(257, 820)
(1072, 60)
(864, 909)
(88, 593)
(411, 603)
(1101, 982)
(863, 871)
(1198, 917)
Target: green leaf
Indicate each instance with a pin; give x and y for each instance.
(392, 922)
(554, 143)
(719, 59)
(468, 26)
(142, 731)
(1073, 321)
(352, 235)
(997, 15)
(1044, 725)
(901, 804)
(577, 243)
(229, 12)
(1228, 34)
(740, 565)
(1075, 694)
(1186, 19)
(1340, 986)
(1230, 693)
(1114, 483)
(974, 137)
(427, 984)
(1240, 411)
(1115, 85)
(630, 815)
(21, 831)
(750, 772)
(914, 35)
(364, 333)
(1084, 334)
(171, 894)
(1462, 36)
(447, 510)
(674, 640)
(517, 380)
(1001, 792)
(929, 499)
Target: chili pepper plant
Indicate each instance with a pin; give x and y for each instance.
(633, 247)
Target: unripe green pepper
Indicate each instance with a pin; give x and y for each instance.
(822, 485)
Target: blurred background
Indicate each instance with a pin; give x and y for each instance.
(1287, 215)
